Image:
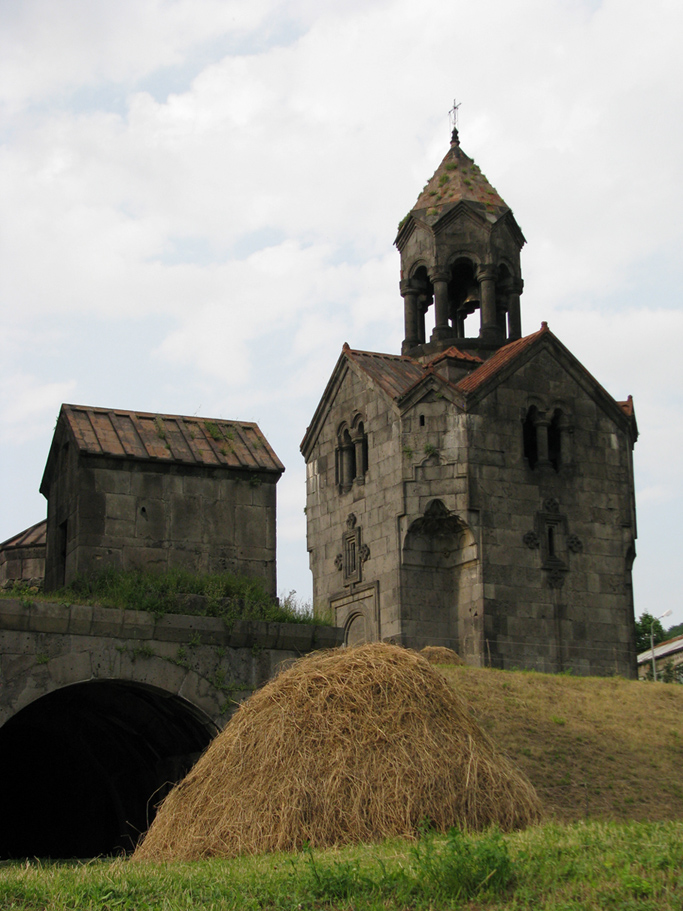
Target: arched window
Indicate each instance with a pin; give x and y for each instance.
(351, 456)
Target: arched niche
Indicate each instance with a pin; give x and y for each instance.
(438, 578)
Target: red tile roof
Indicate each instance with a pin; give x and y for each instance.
(500, 359)
(170, 438)
(393, 373)
(627, 406)
(35, 536)
(455, 354)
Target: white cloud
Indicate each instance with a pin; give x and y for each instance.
(236, 218)
(28, 407)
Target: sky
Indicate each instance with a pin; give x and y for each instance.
(199, 198)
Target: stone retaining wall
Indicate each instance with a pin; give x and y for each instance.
(46, 645)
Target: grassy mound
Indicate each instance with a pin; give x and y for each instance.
(600, 747)
(348, 746)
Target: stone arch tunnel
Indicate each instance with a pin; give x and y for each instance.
(87, 764)
(102, 710)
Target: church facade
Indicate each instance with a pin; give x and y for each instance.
(476, 490)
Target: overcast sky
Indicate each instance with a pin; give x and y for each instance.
(199, 200)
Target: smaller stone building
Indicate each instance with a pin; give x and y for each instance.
(131, 490)
(22, 557)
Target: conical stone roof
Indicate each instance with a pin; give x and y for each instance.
(458, 179)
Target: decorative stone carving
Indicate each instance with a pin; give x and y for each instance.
(551, 504)
(556, 578)
(339, 561)
(532, 540)
(364, 553)
(351, 521)
(575, 544)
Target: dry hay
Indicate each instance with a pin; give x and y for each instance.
(353, 745)
(437, 654)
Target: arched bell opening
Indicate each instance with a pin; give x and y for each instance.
(465, 297)
(424, 300)
(84, 767)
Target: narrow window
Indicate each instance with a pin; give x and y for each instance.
(555, 440)
(551, 541)
(529, 438)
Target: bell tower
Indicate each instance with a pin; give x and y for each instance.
(460, 252)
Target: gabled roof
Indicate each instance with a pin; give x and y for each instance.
(393, 373)
(35, 536)
(455, 354)
(495, 364)
(166, 438)
(402, 379)
(505, 361)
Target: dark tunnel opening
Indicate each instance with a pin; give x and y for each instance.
(83, 768)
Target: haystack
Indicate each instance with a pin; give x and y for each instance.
(438, 654)
(348, 746)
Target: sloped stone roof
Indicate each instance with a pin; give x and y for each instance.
(170, 438)
(35, 536)
(458, 179)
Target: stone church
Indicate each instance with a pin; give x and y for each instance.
(476, 490)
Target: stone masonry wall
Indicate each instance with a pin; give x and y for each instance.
(575, 611)
(45, 646)
(133, 515)
(375, 501)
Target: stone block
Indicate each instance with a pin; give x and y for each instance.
(137, 625)
(74, 667)
(147, 485)
(150, 519)
(107, 621)
(80, 620)
(14, 614)
(295, 637)
(48, 617)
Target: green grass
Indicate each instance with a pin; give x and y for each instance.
(581, 867)
(224, 595)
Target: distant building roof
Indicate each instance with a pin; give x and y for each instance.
(35, 536)
(167, 438)
(662, 649)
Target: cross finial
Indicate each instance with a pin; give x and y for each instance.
(453, 117)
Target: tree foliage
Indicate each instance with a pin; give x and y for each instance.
(644, 624)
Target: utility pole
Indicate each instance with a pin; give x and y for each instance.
(652, 642)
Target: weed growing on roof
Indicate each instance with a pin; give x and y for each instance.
(160, 428)
(213, 430)
(443, 179)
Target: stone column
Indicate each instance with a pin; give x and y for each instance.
(441, 306)
(514, 312)
(347, 453)
(542, 424)
(360, 459)
(410, 295)
(490, 331)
